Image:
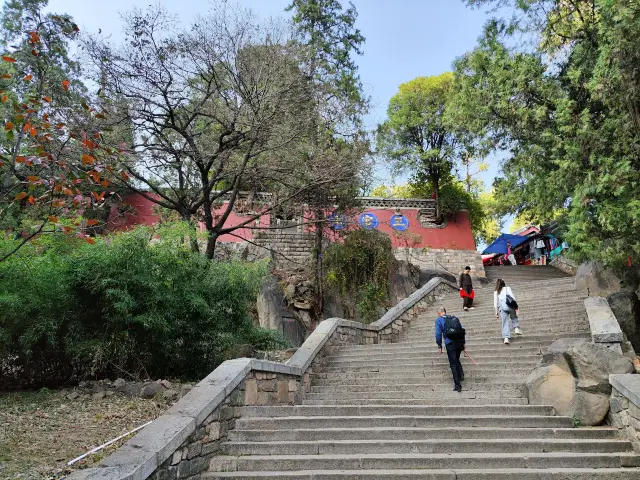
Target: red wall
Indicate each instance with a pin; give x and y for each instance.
(143, 210)
(455, 235)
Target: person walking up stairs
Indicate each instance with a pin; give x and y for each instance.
(387, 411)
(451, 329)
(506, 307)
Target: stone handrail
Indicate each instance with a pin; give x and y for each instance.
(605, 328)
(184, 440)
(306, 353)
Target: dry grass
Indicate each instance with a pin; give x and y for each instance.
(41, 431)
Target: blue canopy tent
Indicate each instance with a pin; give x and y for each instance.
(499, 245)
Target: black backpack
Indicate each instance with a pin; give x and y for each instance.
(453, 329)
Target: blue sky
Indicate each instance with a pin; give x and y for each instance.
(405, 38)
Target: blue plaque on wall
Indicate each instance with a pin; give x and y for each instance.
(368, 220)
(399, 222)
(338, 222)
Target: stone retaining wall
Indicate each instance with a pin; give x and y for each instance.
(453, 261)
(183, 443)
(284, 249)
(625, 406)
(565, 264)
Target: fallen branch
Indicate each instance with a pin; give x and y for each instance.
(97, 449)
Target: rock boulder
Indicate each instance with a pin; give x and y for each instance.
(626, 308)
(573, 376)
(272, 305)
(593, 279)
(427, 274)
(403, 281)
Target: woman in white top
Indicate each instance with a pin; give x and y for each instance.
(504, 312)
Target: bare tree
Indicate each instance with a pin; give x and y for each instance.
(212, 109)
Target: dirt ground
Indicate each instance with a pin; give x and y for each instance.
(41, 431)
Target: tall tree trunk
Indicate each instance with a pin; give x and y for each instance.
(318, 293)
(193, 239)
(436, 187)
(212, 238)
(467, 176)
(194, 244)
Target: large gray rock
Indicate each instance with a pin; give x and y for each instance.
(573, 376)
(551, 385)
(427, 274)
(271, 305)
(593, 279)
(150, 390)
(589, 408)
(333, 306)
(402, 281)
(626, 308)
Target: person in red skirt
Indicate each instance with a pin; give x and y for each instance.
(466, 286)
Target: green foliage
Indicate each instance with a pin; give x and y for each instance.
(415, 136)
(368, 302)
(399, 191)
(76, 310)
(359, 269)
(331, 39)
(567, 113)
(485, 223)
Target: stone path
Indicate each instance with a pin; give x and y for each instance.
(389, 412)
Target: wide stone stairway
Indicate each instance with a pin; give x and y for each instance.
(389, 411)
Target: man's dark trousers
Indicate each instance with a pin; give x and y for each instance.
(467, 302)
(453, 353)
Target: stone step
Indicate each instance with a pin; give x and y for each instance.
(489, 317)
(434, 358)
(439, 474)
(495, 328)
(549, 324)
(302, 411)
(399, 396)
(504, 420)
(548, 337)
(484, 305)
(484, 299)
(469, 384)
(524, 341)
(422, 433)
(424, 460)
(424, 352)
(487, 309)
(444, 363)
(442, 446)
(475, 377)
(461, 399)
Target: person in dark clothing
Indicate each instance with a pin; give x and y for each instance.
(454, 349)
(467, 286)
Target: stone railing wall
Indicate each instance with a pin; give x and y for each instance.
(453, 261)
(564, 264)
(605, 329)
(625, 406)
(183, 442)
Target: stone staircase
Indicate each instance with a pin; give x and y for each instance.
(389, 411)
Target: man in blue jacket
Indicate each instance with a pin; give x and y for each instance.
(454, 346)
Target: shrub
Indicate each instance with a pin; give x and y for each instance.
(358, 271)
(369, 301)
(122, 306)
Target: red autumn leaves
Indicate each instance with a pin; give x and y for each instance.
(57, 185)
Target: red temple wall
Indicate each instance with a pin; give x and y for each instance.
(456, 234)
